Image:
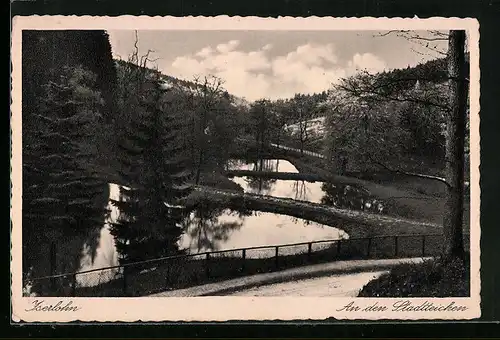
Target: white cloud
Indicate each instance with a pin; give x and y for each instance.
(313, 54)
(205, 52)
(368, 62)
(250, 85)
(239, 60)
(255, 74)
(188, 66)
(229, 46)
(267, 47)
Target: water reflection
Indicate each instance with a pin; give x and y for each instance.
(295, 189)
(214, 228)
(236, 231)
(343, 196)
(106, 254)
(266, 165)
(259, 185)
(227, 230)
(205, 230)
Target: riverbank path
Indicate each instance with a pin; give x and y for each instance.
(339, 268)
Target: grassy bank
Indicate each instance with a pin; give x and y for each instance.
(215, 179)
(433, 278)
(411, 197)
(295, 176)
(355, 223)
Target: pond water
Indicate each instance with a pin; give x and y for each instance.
(299, 190)
(341, 196)
(224, 230)
(230, 230)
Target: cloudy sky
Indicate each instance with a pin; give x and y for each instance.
(271, 64)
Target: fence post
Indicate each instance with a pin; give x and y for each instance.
(369, 247)
(53, 265)
(243, 257)
(309, 251)
(167, 274)
(276, 257)
(395, 246)
(207, 265)
(423, 245)
(73, 287)
(125, 280)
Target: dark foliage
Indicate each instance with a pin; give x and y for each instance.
(433, 278)
(400, 80)
(350, 197)
(67, 97)
(45, 52)
(155, 169)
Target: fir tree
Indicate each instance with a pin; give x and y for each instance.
(154, 166)
(67, 100)
(60, 195)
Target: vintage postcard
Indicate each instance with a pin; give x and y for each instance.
(244, 168)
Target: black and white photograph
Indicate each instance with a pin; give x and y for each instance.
(246, 162)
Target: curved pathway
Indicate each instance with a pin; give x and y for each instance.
(338, 285)
(240, 284)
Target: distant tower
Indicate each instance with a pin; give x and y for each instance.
(417, 85)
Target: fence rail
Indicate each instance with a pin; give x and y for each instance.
(286, 148)
(174, 272)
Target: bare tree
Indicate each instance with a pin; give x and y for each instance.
(305, 110)
(281, 119)
(432, 42)
(209, 91)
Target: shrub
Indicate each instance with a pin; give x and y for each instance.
(432, 278)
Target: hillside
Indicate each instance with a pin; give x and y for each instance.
(185, 85)
(433, 71)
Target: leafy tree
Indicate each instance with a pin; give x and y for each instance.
(281, 113)
(361, 133)
(301, 110)
(412, 112)
(260, 122)
(441, 97)
(44, 51)
(425, 124)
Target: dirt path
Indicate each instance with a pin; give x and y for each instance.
(347, 285)
(300, 273)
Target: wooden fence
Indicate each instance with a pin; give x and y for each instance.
(175, 272)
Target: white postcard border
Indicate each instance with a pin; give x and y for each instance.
(236, 308)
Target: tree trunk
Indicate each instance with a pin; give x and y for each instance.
(202, 139)
(455, 128)
(198, 170)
